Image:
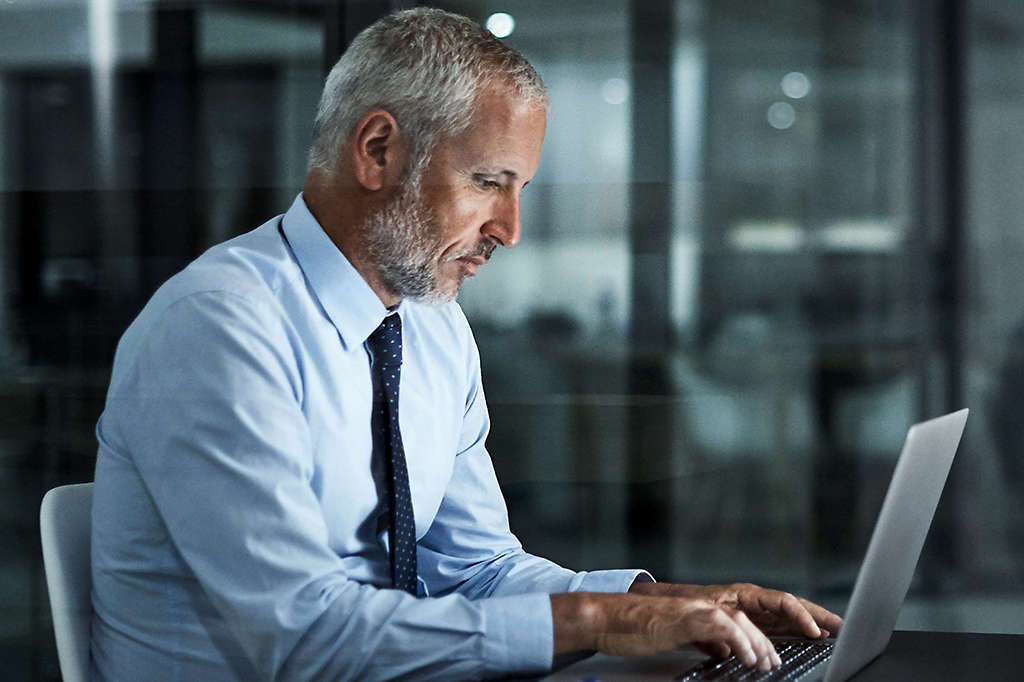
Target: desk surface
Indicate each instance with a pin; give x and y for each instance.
(910, 656)
(948, 656)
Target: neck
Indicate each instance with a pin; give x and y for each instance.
(342, 210)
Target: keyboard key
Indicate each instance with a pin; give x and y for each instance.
(798, 659)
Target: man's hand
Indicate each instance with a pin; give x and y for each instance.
(719, 619)
(633, 625)
(774, 612)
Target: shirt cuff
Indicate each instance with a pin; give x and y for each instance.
(608, 581)
(519, 634)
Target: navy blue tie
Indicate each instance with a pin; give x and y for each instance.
(385, 345)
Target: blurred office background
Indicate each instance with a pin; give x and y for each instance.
(764, 238)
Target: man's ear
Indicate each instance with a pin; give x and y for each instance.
(377, 150)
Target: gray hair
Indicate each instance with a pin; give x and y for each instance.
(425, 67)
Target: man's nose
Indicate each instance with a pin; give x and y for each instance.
(505, 225)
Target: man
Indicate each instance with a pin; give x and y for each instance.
(269, 504)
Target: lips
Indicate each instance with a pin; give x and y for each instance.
(471, 259)
(471, 263)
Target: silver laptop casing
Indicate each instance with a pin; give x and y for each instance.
(896, 543)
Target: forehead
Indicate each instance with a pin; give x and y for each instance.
(505, 135)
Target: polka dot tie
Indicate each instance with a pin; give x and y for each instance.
(385, 345)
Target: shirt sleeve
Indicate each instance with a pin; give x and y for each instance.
(210, 410)
(470, 548)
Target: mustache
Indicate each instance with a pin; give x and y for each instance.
(484, 248)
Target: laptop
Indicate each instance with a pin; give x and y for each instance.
(878, 593)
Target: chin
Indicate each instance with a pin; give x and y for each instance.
(446, 290)
(438, 295)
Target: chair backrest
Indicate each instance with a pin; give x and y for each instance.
(65, 523)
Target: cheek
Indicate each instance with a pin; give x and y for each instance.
(459, 213)
(463, 217)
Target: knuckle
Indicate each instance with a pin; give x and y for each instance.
(724, 621)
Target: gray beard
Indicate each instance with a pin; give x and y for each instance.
(403, 240)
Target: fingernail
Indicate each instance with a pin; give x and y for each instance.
(764, 665)
(775, 658)
(748, 657)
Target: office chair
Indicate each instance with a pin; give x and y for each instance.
(65, 523)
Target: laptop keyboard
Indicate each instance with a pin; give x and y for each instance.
(798, 659)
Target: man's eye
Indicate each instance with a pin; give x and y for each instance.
(487, 183)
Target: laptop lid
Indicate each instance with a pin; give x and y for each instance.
(896, 543)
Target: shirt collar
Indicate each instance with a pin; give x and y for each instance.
(352, 306)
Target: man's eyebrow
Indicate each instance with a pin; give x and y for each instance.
(511, 174)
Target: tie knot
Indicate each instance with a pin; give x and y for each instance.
(385, 342)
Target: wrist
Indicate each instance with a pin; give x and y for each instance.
(577, 618)
(671, 590)
(646, 588)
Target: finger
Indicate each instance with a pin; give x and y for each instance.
(727, 629)
(801, 620)
(763, 648)
(825, 618)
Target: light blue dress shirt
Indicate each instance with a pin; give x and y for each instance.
(237, 531)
